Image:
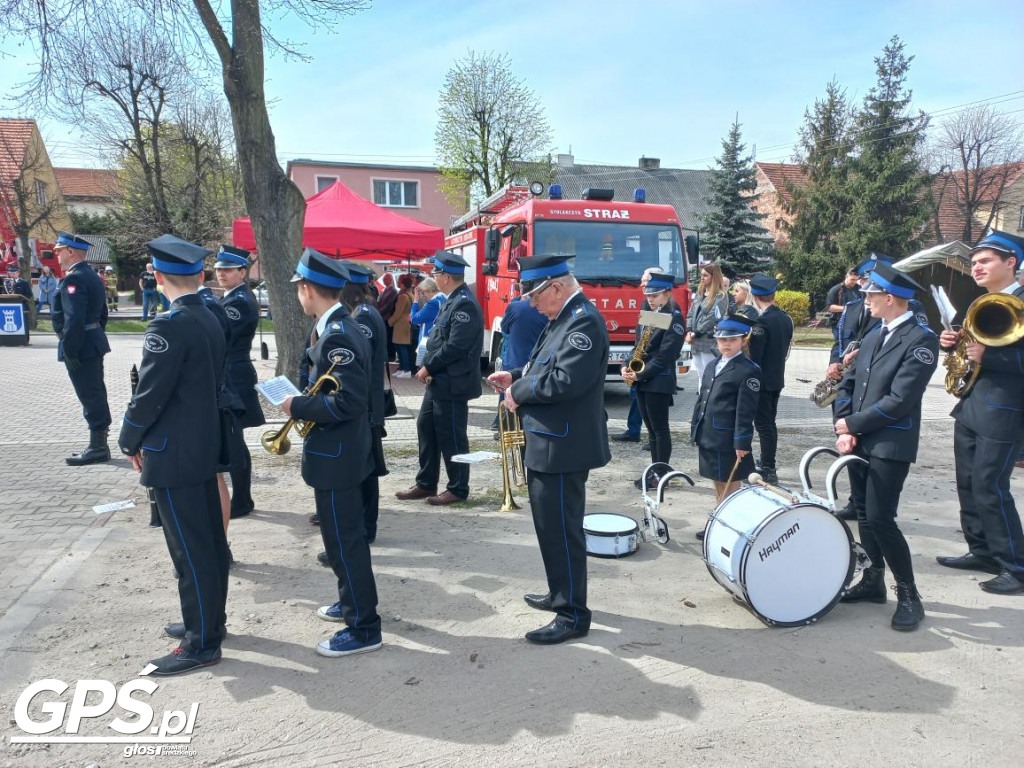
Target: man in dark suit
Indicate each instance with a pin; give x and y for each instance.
(989, 433)
(172, 432)
(79, 320)
(336, 456)
(451, 371)
(770, 341)
(243, 315)
(559, 395)
(878, 417)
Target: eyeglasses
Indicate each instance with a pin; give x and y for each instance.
(535, 293)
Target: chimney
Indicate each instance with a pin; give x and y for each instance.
(650, 163)
(565, 161)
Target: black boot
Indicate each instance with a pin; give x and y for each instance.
(95, 453)
(909, 611)
(870, 588)
(769, 475)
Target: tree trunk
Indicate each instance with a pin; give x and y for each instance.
(276, 207)
(26, 272)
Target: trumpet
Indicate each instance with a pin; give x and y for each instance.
(276, 441)
(513, 439)
(995, 320)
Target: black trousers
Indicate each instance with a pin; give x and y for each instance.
(344, 535)
(764, 423)
(654, 410)
(91, 391)
(876, 490)
(370, 488)
(558, 501)
(441, 427)
(988, 515)
(194, 531)
(241, 478)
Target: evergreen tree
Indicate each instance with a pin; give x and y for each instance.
(821, 205)
(731, 232)
(889, 186)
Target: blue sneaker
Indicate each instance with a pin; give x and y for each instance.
(330, 612)
(344, 644)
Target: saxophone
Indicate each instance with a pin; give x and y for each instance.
(636, 363)
(826, 390)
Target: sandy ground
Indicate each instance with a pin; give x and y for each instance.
(674, 672)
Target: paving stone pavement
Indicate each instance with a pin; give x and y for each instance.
(45, 506)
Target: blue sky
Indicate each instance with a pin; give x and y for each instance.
(618, 79)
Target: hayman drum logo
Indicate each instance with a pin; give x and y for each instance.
(95, 699)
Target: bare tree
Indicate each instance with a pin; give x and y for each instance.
(977, 151)
(237, 34)
(33, 195)
(490, 126)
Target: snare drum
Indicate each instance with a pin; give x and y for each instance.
(789, 563)
(611, 535)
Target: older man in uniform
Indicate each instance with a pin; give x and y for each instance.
(172, 432)
(79, 320)
(770, 340)
(989, 433)
(559, 395)
(878, 417)
(243, 314)
(451, 371)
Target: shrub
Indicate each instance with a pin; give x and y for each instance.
(796, 303)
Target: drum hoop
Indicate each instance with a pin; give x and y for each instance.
(742, 580)
(611, 534)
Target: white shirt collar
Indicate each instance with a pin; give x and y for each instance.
(571, 297)
(321, 324)
(1011, 287)
(232, 290)
(724, 361)
(895, 323)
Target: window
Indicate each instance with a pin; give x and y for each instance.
(323, 182)
(397, 194)
(1020, 222)
(40, 194)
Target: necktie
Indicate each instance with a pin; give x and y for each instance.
(881, 341)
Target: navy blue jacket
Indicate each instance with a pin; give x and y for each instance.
(723, 416)
(80, 313)
(521, 326)
(659, 373)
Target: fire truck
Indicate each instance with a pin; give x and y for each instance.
(43, 255)
(612, 244)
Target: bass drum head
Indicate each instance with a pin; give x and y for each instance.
(610, 535)
(796, 567)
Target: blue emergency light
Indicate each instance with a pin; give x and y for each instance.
(639, 195)
(555, 192)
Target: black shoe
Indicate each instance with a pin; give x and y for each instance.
(645, 447)
(540, 602)
(555, 632)
(243, 511)
(847, 512)
(176, 630)
(870, 588)
(314, 519)
(909, 611)
(699, 535)
(96, 452)
(231, 558)
(1004, 584)
(626, 437)
(321, 557)
(969, 562)
(184, 660)
(769, 475)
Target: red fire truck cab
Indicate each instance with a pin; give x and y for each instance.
(612, 243)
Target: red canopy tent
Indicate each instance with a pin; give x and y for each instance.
(341, 223)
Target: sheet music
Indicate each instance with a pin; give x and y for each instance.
(946, 309)
(661, 320)
(277, 389)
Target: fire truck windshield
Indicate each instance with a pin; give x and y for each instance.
(614, 252)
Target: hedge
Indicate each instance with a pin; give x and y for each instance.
(796, 303)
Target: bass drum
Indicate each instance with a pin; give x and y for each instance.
(788, 563)
(611, 535)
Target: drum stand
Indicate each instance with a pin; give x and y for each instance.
(654, 527)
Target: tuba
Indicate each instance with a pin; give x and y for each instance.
(276, 441)
(513, 439)
(995, 320)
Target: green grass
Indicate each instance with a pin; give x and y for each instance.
(812, 337)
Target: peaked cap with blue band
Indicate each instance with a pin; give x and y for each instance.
(535, 270)
(229, 257)
(449, 262)
(886, 279)
(732, 326)
(1003, 242)
(763, 285)
(873, 259)
(174, 256)
(659, 283)
(322, 270)
(359, 274)
(67, 240)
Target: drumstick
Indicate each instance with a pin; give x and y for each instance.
(728, 482)
(756, 479)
